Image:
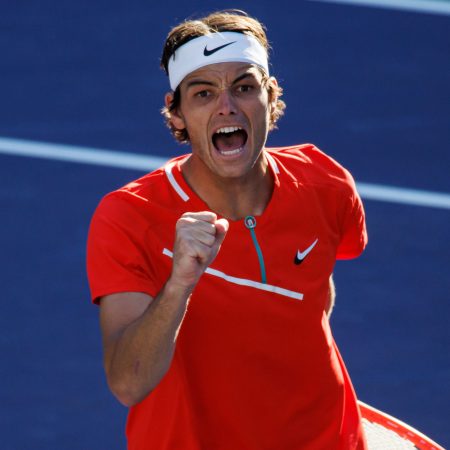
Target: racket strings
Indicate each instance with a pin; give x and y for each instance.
(381, 438)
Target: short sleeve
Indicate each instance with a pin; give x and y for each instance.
(116, 258)
(353, 223)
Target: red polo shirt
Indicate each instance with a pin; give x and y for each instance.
(255, 365)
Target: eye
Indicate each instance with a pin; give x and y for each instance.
(243, 88)
(202, 94)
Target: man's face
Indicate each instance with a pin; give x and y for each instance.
(226, 110)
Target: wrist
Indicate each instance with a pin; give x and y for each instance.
(176, 289)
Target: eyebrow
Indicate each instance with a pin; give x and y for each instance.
(244, 76)
(210, 83)
(198, 82)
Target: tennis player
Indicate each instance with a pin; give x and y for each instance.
(214, 273)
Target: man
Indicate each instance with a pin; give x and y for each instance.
(213, 273)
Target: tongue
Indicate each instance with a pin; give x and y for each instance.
(226, 142)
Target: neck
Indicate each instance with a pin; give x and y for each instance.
(232, 198)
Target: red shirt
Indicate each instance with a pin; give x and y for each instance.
(255, 365)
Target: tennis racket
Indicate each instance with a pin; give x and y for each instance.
(384, 432)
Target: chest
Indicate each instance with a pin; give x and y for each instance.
(285, 255)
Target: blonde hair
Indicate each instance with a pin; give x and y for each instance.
(229, 20)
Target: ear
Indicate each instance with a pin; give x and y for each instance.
(176, 118)
(273, 93)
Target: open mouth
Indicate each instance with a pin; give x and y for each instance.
(229, 141)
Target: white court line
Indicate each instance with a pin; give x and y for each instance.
(123, 160)
(406, 196)
(62, 152)
(420, 6)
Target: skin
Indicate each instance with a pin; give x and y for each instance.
(331, 297)
(139, 332)
(227, 94)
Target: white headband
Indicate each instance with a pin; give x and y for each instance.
(212, 49)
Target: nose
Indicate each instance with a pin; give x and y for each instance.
(226, 103)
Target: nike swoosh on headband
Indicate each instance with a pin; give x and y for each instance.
(215, 48)
(207, 52)
(300, 256)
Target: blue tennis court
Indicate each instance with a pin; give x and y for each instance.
(368, 85)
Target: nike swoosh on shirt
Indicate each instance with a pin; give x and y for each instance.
(207, 52)
(300, 256)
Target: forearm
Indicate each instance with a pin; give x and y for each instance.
(331, 297)
(139, 333)
(138, 357)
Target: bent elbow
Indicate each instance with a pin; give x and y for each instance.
(127, 400)
(128, 395)
(130, 388)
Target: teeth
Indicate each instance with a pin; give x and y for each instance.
(228, 129)
(231, 152)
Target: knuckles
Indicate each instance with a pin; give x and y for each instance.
(195, 243)
(206, 216)
(188, 223)
(195, 234)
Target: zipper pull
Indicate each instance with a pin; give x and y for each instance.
(250, 223)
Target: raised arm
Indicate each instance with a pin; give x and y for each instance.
(331, 297)
(139, 333)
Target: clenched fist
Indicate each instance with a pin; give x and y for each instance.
(197, 241)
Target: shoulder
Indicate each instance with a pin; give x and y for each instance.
(308, 165)
(151, 192)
